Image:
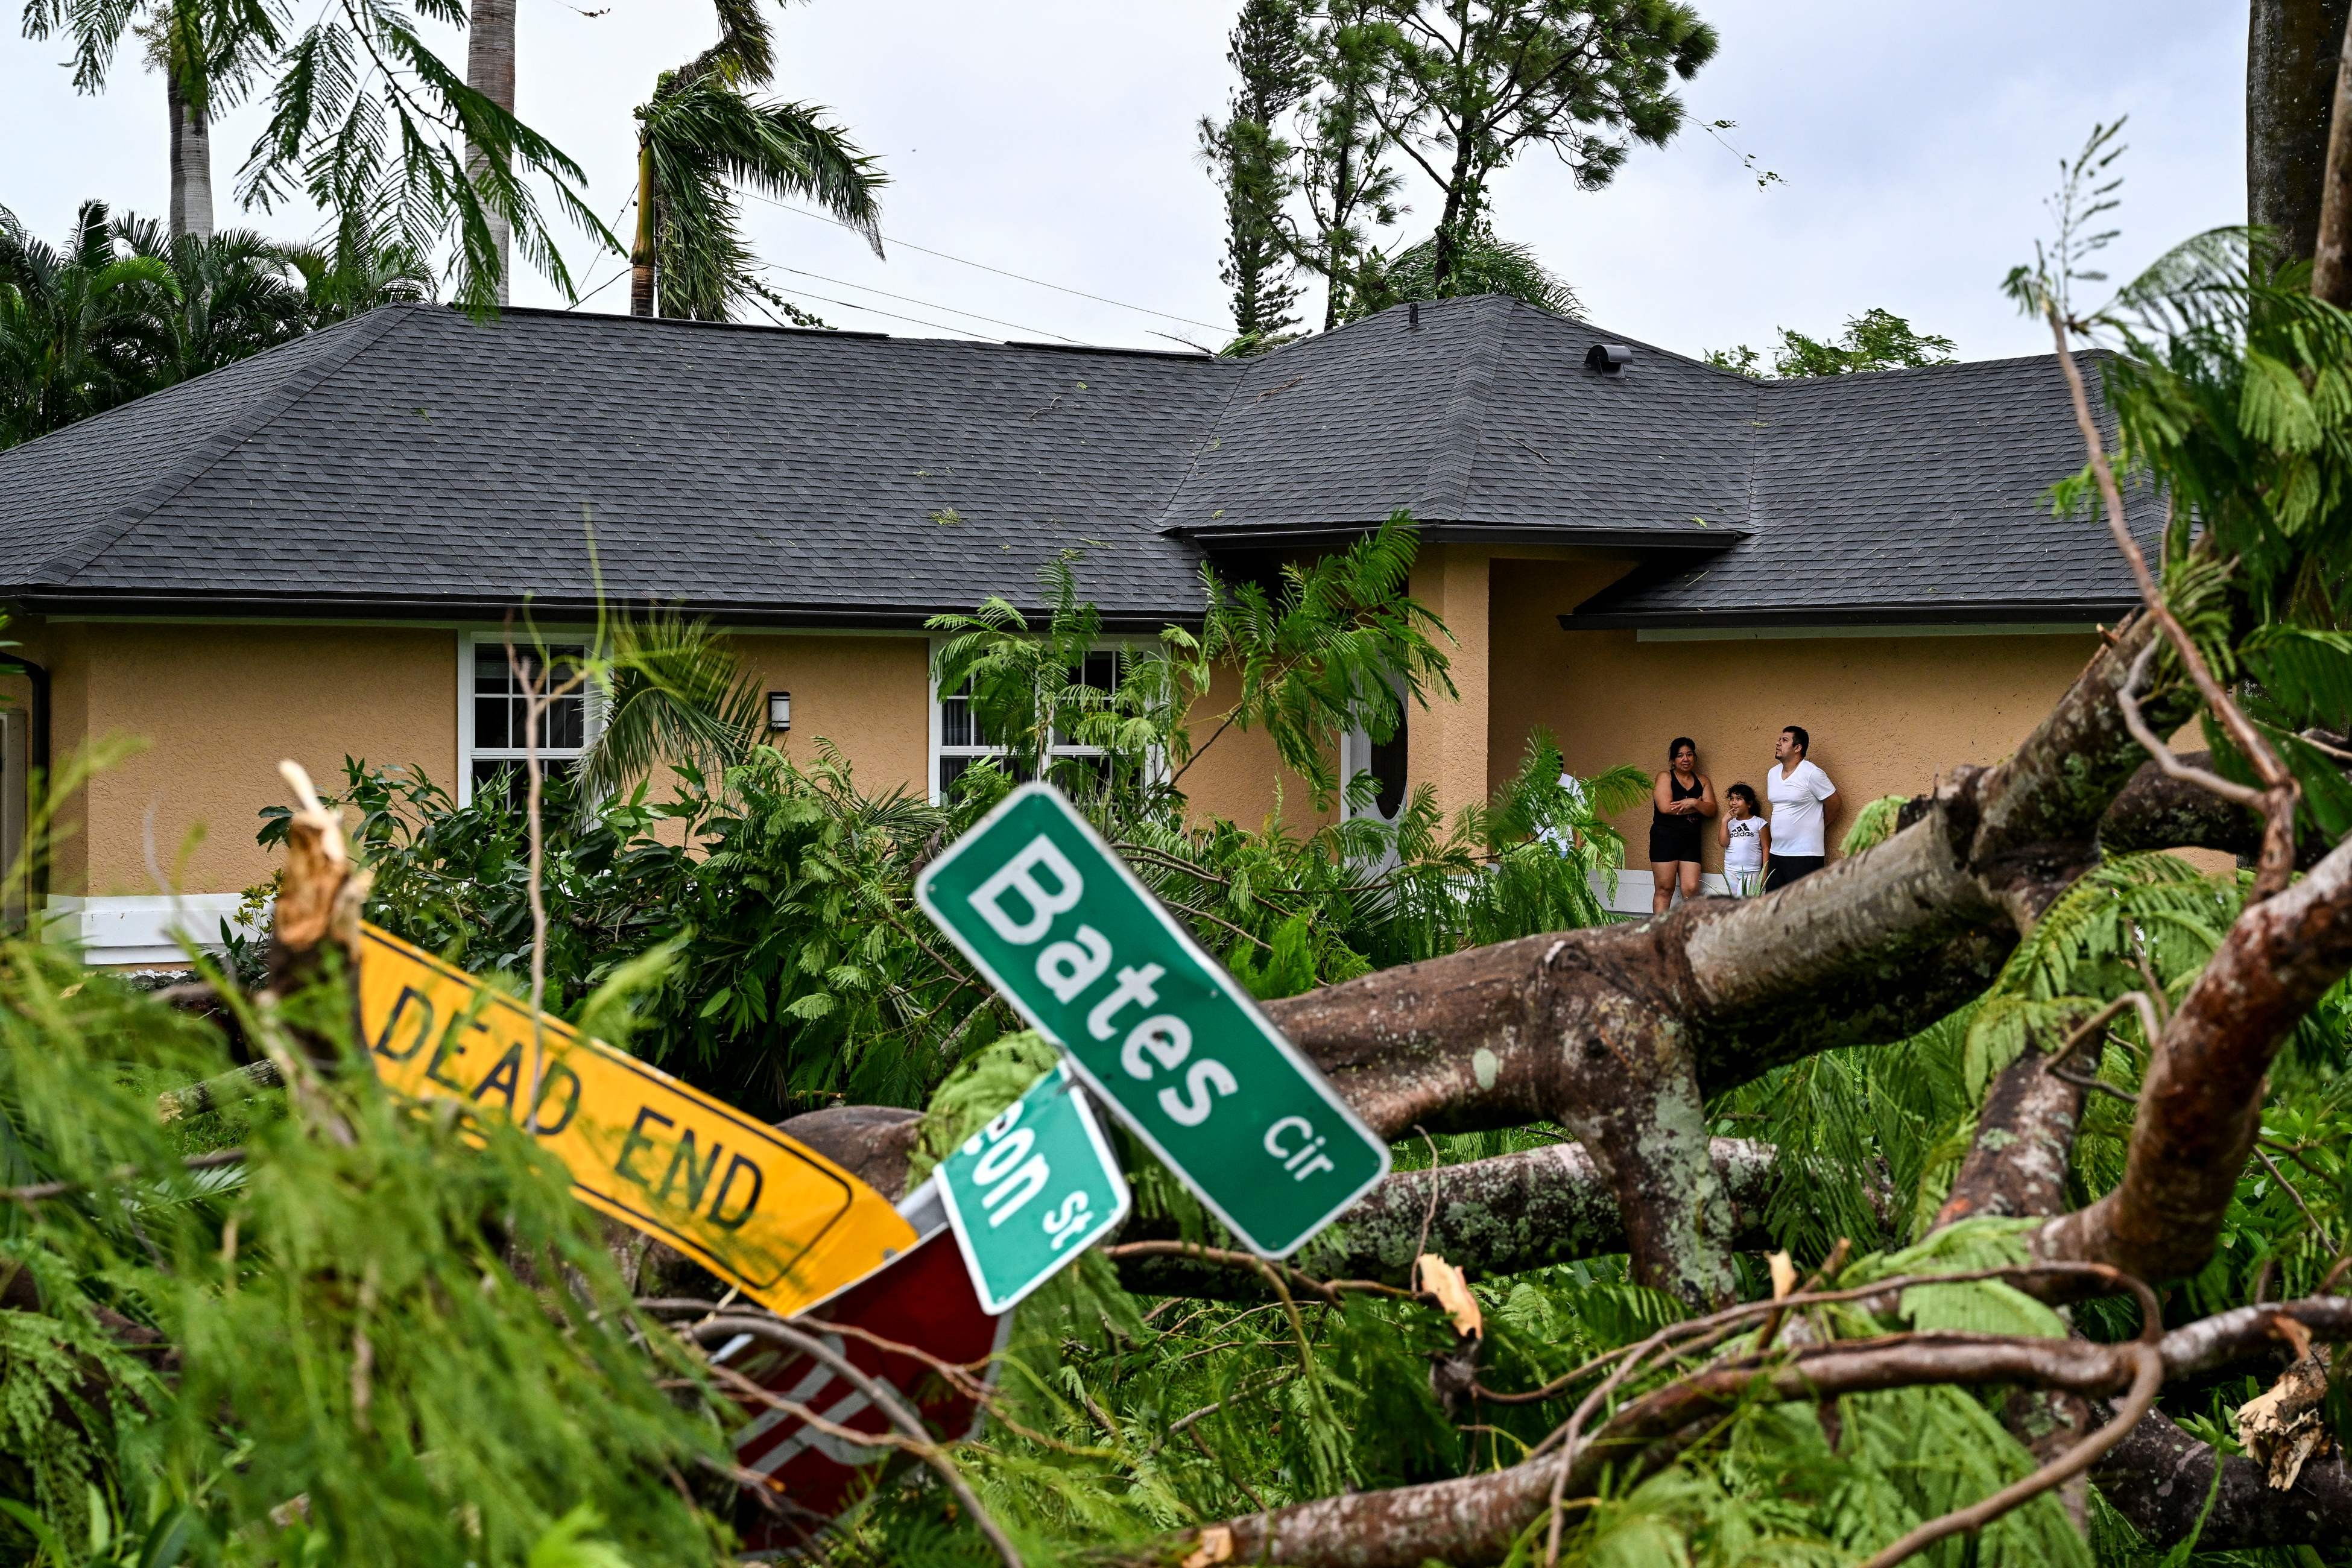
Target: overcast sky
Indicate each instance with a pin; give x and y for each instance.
(1055, 139)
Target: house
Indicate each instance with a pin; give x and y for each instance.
(312, 553)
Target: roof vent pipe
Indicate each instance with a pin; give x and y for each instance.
(1412, 316)
(1609, 359)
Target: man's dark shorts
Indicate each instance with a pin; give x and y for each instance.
(1786, 869)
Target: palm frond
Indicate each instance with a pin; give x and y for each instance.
(678, 694)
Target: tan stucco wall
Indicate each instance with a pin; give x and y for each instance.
(1886, 713)
(215, 708)
(1448, 745)
(870, 696)
(1236, 774)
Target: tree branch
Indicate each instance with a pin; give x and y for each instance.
(2200, 1102)
(1495, 1217)
(2158, 1478)
(1475, 1519)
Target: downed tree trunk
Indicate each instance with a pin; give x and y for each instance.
(1499, 1216)
(1619, 1033)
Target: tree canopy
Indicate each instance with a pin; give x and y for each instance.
(1878, 338)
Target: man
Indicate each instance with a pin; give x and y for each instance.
(1803, 801)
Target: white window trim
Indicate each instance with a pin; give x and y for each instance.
(468, 640)
(937, 749)
(1356, 757)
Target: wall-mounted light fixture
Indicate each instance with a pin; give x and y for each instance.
(780, 711)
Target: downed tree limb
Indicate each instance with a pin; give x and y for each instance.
(2200, 1102)
(1499, 1216)
(1475, 1519)
(215, 1093)
(2158, 1478)
(1495, 1216)
(872, 1143)
(2024, 1145)
(2158, 811)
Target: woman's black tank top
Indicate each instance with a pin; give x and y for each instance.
(1675, 837)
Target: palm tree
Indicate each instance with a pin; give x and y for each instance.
(81, 328)
(366, 122)
(209, 52)
(339, 284)
(1483, 263)
(490, 71)
(701, 135)
(238, 294)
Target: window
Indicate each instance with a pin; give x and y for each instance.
(957, 741)
(1384, 760)
(493, 715)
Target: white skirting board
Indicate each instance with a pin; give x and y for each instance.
(143, 931)
(1634, 888)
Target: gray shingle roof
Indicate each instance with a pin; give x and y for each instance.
(1485, 417)
(438, 462)
(1902, 495)
(413, 460)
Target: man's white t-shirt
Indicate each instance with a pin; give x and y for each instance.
(1797, 808)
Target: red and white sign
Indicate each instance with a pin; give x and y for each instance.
(925, 1301)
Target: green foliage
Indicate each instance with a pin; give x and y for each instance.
(1335, 644)
(701, 135)
(81, 328)
(1253, 165)
(232, 295)
(1482, 264)
(676, 693)
(1876, 340)
(122, 310)
(1774, 1488)
(1873, 823)
(1347, 180)
(1871, 1137)
(396, 1339)
(371, 125)
(1464, 91)
(705, 138)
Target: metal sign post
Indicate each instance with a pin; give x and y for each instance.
(1057, 923)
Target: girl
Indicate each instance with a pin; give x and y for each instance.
(1678, 798)
(1747, 840)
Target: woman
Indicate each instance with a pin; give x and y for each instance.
(1680, 796)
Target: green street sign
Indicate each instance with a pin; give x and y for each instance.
(1032, 1190)
(1155, 1026)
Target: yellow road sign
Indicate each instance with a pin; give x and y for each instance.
(780, 1220)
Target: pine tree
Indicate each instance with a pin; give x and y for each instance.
(1251, 162)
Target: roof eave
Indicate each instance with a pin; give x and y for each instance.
(1244, 537)
(2007, 612)
(429, 608)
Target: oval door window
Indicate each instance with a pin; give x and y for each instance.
(1388, 770)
